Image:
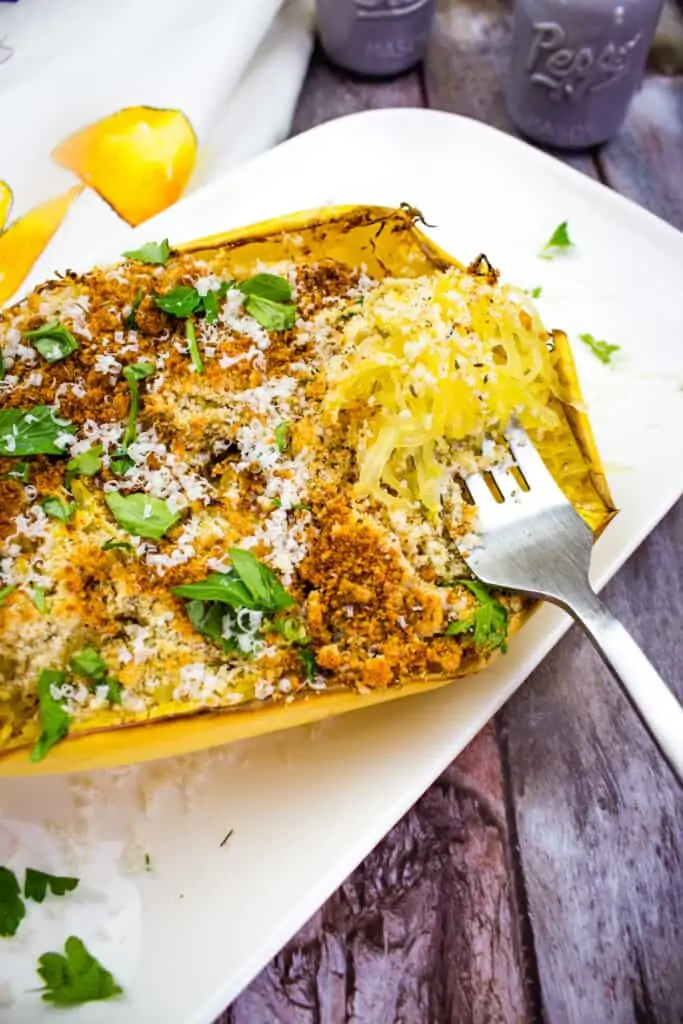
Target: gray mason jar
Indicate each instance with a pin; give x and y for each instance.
(375, 37)
(575, 65)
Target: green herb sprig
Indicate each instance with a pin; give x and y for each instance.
(558, 242)
(53, 341)
(76, 977)
(36, 431)
(602, 350)
(151, 252)
(488, 624)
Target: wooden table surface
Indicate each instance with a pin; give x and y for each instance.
(541, 877)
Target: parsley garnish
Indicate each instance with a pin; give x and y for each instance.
(558, 240)
(181, 301)
(120, 463)
(36, 884)
(273, 316)
(88, 663)
(535, 293)
(75, 978)
(207, 618)
(184, 300)
(129, 322)
(291, 630)
(39, 600)
(57, 509)
(6, 591)
(53, 341)
(210, 301)
(193, 347)
(267, 286)
(151, 252)
(282, 436)
(21, 472)
(143, 515)
(488, 623)
(114, 690)
(88, 463)
(12, 907)
(54, 719)
(112, 545)
(263, 585)
(134, 373)
(249, 584)
(308, 663)
(602, 349)
(36, 431)
(268, 300)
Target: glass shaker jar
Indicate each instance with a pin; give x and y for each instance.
(575, 66)
(375, 37)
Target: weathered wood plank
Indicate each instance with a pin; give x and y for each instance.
(599, 818)
(425, 930)
(645, 161)
(329, 92)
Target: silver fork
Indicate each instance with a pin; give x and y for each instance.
(535, 543)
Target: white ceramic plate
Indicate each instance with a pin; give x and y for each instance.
(306, 806)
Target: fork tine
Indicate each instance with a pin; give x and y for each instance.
(479, 490)
(506, 483)
(529, 462)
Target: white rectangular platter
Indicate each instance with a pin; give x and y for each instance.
(306, 806)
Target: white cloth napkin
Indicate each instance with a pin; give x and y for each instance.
(176, 91)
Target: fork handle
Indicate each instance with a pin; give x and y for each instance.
(650, 696)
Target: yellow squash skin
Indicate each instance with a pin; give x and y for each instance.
(389, 243)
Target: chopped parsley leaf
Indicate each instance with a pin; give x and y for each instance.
(308, 663)
(55, 508)
(558, 241)
(268, 300)
(12, 907)
(112, 545)
(290, 629)
(134, 373)
(88, 463)
(54, 719)
(89, 664)
(267, 286)
(114, 690)
(273, 316)
(181, 301)
(129, 322)
(75, 978)
(488, 623)
(21, 472)
(36, 884)
(282, 436)
(143, 515)
(151, 252)
(40, 600)
(601, 349)
(193, 347)
(53, 341)
(36, 431)
(120, 463)
(248, 585)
